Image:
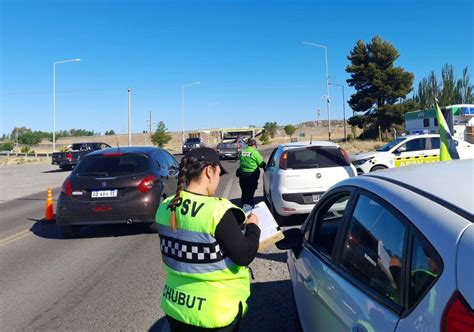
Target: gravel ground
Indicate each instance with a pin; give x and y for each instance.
(22, 180)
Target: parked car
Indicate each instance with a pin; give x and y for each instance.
(389, 251)
(116, 186)
(192, 143)
(298, 174)
(68, 159)
(230, 147)
(407, 150)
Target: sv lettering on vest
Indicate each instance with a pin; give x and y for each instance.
(181, 298)
(187, 205)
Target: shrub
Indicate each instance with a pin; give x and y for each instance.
(7, 146)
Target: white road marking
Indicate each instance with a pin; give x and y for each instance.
(228, 187)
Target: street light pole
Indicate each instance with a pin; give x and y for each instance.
(129, 116)
(328, 100)
(343, 107)
(54, 97)
(182, 106)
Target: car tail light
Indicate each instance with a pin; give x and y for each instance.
(67, 187)
(458, 315)
(69, 156)
(283, 158)
(345, 155)
(113, 154)
(146, 184)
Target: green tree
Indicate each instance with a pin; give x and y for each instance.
(7, 146)
(109, 132)
(270, 128)
(380, 86)
(264, 138)
(448, 90)
(161, 136)
(290, 129)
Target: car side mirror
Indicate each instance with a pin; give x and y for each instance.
(293, 241)
(402, 149)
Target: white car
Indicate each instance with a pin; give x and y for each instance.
(298, 174)
(407, 150)
(389, 251)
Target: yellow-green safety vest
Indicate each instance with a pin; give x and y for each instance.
(203, 286)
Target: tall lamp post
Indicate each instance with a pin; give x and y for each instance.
(343, 107)
(182, 106)
(54, 97)
(129, 91)
(328, 100)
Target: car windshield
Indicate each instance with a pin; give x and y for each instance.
(193, 140)
(315, 157)
(113, 165)
(391, 144)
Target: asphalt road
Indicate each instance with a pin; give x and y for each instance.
(111, 277)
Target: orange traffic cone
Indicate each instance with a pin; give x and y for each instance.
(49, 211)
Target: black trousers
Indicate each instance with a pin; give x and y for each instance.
(177, 326)
(248, 184)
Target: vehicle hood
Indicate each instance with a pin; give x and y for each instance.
(365, 155)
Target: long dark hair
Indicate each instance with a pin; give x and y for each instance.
(189, 168)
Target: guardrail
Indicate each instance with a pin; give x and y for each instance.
(20, 154)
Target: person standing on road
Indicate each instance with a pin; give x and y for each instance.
(204, 251)
(249, 172)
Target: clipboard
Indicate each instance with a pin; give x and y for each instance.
(270, 231)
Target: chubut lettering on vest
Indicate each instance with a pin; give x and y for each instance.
(181, 298)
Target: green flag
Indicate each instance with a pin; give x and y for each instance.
(447, 147)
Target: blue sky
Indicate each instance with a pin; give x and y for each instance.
(247, 55)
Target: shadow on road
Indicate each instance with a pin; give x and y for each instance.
(59, 170)
(256, 199)
(274, 256)
(160, 325)
(49, 230)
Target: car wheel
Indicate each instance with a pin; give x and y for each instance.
(378, 168)
(69, 232)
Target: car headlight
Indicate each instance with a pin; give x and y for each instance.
(361, 161)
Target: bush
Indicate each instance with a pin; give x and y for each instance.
(264, 138)
(26, 149)
(7, 146)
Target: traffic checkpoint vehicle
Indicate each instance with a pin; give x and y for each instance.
(405, 151)
(116, 186)
(388, 251)
(74, 152)
(298, 174)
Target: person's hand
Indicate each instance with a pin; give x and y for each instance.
(252, 219)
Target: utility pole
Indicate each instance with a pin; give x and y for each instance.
(318, 114)
(129, 116)
(149, 122)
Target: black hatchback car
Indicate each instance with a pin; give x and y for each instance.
(116, 186)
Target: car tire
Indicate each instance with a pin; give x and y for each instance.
(378, 168)
(69, 232)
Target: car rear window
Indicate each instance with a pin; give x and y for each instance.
(113, 165)
(315, 157)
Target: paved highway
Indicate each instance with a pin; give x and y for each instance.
(110, 278)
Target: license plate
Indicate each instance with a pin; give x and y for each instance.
(316, 197)
(104, 193)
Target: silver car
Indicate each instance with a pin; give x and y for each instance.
(390, 251)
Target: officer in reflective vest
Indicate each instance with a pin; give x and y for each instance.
(249, 172)
(204, 251)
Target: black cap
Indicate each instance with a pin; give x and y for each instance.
(209, 155)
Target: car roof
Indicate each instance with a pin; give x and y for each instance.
(308, 143)
(126, 149)
(448, 182)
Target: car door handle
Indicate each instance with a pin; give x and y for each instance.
(309, 284)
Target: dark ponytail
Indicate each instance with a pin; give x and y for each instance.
(189, 169)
